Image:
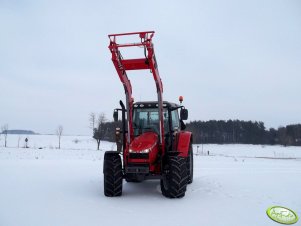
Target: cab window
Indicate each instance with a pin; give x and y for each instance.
(147, 119)
(175, 120)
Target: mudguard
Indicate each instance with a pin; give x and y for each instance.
(183, 138)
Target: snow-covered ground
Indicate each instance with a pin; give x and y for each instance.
(234, 185)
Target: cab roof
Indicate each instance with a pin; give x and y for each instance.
(154, 104)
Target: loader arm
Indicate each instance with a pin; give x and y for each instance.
(147, 63)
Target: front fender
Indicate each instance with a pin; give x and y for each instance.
(184, 139)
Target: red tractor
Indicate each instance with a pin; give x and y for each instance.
(153, 143)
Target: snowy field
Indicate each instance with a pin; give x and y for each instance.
(233, 186)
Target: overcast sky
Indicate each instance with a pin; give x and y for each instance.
(229, 59)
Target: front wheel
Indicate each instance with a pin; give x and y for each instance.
(174, 182)
(112, 170)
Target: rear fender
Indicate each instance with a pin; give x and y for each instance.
(183, 139)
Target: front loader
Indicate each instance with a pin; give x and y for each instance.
(152, 143)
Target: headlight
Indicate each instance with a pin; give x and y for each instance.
(143, 151)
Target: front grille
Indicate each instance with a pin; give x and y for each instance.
(137, 169)
(138, 155)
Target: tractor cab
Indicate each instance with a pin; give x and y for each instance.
(146, 123)
(146, 118)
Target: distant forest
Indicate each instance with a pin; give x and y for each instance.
(243, 132)
(229, 132)
(19, 131)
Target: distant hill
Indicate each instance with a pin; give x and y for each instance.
(19, 131)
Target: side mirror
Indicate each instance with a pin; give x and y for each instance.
(115, 115)
(184, 114)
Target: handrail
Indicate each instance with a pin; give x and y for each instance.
(147, 35)
(132, 33)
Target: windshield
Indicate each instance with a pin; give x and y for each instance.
(147, 119)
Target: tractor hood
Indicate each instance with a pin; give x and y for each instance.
(144, 143)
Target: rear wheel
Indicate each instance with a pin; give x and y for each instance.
(174, 182)
(112, 170)
(190, 165)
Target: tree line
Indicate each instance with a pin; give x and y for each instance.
(243, 132)
(223, 132)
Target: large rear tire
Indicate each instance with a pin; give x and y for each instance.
(174, 182)
(190, 165)
(112, 170)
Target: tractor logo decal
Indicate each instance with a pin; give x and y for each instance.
(282, 215)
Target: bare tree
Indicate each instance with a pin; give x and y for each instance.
(4, 130)
(101, 119)
(92, 119)
(99, 131)
(59, 133)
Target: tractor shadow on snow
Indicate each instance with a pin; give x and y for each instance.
(149, 188)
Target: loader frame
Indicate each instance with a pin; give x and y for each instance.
(147, 63)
